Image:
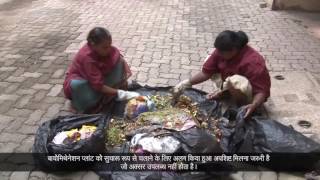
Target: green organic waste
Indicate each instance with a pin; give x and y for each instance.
(161, 102)
(184, 103)
(115, 133)
(160, 116)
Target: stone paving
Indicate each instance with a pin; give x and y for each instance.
(164, 41)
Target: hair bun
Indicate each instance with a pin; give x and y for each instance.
(243, 38)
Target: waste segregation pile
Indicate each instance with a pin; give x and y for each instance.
(150, 120)
(151, 123)
(74, 135)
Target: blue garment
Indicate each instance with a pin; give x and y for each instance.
(85, 97)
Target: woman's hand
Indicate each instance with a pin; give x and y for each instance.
(126, 95)
(182, 86)
(215, 95)
(258, 100)
(250, 108)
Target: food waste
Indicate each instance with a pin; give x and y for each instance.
(183, 115)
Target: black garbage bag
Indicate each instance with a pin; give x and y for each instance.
(44, 146)
(196, 140)
(289, 149)
(260, 134)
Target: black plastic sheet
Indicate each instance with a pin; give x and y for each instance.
(196, 140)
(260, 134)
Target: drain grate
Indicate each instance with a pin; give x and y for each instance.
(304, 124)
(279, 77)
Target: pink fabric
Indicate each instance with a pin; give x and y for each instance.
(249, 63)
(90, 66)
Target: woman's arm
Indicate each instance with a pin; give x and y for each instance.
(199, 78)
(121, 94)
(109, 90)
(258, 100)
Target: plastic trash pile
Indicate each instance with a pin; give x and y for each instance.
(142, 143)
(137, 106)
(70, 134)
(74, 135)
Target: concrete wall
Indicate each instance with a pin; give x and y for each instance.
(307, 5)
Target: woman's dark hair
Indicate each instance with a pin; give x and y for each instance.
(228, 40)
(98, 35)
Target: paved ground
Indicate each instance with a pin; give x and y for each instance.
(164, 41)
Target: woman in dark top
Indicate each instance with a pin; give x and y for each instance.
(97, 73)
(242, 69)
